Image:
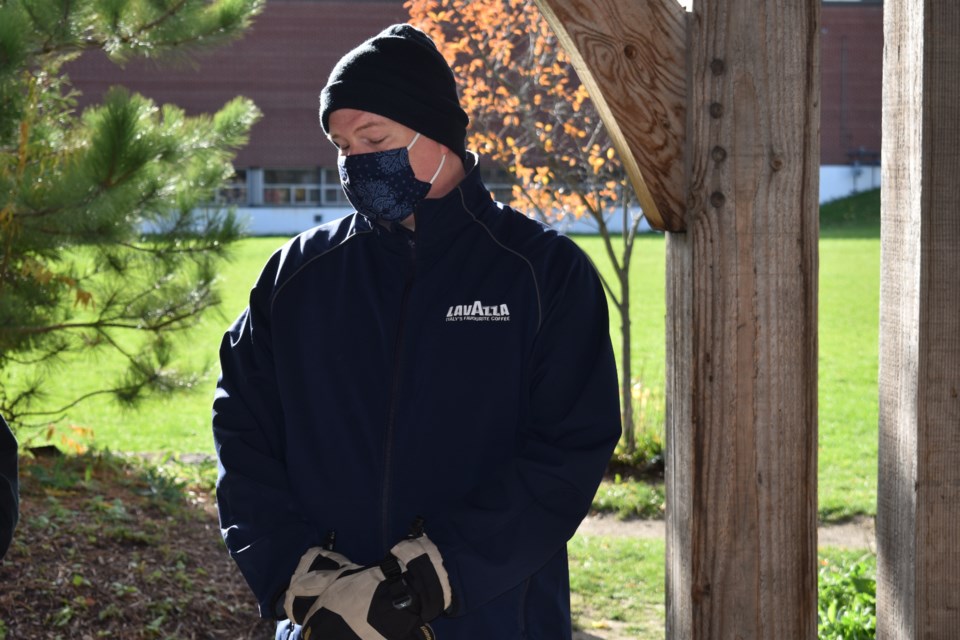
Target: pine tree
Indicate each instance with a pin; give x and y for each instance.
(105, 244)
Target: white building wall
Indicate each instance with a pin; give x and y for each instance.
(840, 181)
(835, 182)
(286, 221)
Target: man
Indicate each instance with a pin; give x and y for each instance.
(418, 405)
(9, 487)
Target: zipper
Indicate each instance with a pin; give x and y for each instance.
(395, 398)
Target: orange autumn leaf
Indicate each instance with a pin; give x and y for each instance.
(529, 112)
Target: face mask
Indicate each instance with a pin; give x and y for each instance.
(381, 184)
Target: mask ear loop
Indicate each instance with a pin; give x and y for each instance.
(443, 159)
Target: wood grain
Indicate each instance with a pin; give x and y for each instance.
(742, 328)
(630, 55)
(918, 502)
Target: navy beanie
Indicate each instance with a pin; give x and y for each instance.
(399, 74)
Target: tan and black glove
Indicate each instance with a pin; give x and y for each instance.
(335, 599)
(317, 570)
(425, 574)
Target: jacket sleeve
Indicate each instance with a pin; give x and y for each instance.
(9, 487)
(510, 526)
(259, 519)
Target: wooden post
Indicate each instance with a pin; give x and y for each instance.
(742, 329)
(741, 287)
(918, 508)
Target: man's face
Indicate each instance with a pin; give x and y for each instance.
(354, 132)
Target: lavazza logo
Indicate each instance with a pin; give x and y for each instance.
(478, 312)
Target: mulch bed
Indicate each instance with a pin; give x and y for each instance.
(108, 548)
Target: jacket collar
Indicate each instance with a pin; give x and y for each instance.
(438, 220)
(467, 197)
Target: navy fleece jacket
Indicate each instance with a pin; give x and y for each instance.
(9, 487)
(462, 372)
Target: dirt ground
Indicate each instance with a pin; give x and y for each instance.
(106, 550)
(858, 533)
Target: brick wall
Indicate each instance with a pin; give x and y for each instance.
(283, 62)
(851, 74)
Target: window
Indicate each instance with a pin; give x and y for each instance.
(332, 192)
(303, 188)
(315, 187)
(234, 192)
(290, 187)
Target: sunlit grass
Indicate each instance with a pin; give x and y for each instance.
(175, 424)
(849, 320)
(617, 584)
(848, 309)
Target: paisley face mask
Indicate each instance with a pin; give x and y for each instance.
(381, 184)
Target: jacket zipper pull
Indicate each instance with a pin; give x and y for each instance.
(416, 528)
(330, 541)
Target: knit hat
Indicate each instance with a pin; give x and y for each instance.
(399, 74)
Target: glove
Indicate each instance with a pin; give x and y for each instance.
(335, 599)
(366, 603)
(317, 570)
(425, 574)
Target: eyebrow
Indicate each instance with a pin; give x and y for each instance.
(376, 122)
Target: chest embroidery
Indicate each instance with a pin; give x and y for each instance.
(478, 312)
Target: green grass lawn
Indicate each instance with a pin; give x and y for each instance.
(629, 600)
(849, 308)
(648, 309)
(617, 584)
(178, 424)
(849, 342)
(849, 312)
(849, 317)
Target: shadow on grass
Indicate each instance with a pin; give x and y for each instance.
(857, 216)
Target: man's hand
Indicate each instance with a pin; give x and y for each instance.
(316, 571)
(365, 603)
(335, 599)
(425, 574)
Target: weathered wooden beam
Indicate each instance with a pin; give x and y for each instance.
(918, 494)
(630, 55)
(742, 329)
